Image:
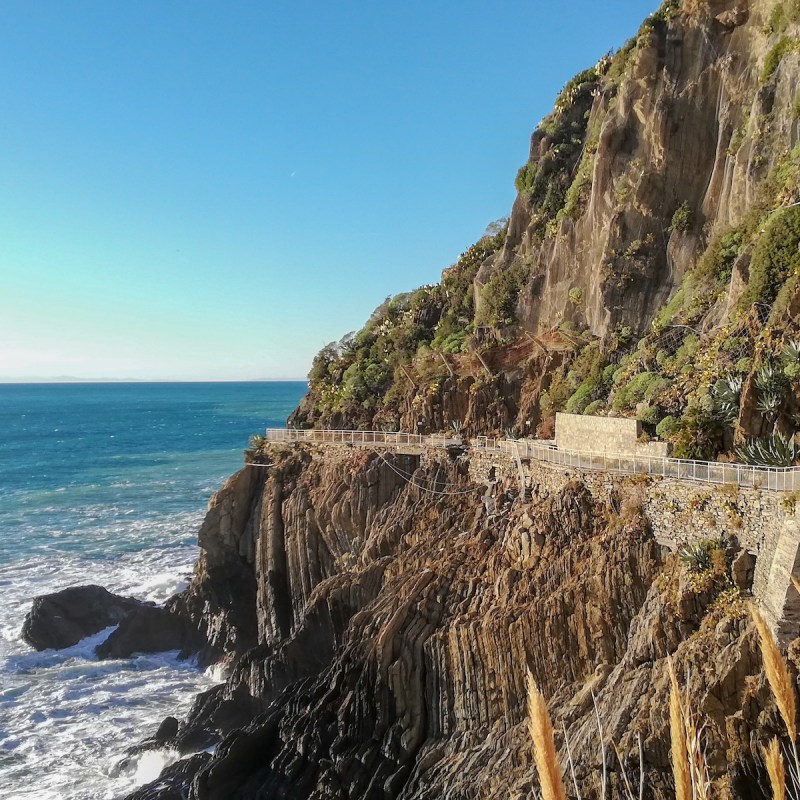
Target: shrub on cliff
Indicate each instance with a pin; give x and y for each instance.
(644, 386)
(697, 434)
(700, 557)
(776, 256)
(773, 451)
(666, 427)
(682, 218)
(500, 295)
(775, 55)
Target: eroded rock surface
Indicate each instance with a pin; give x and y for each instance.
(395, 622)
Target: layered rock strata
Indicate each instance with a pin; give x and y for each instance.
(392, 621)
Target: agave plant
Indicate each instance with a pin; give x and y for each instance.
(257, 443)
(791, 352)
(726, 395)
(457, 425)
(697, 557)
(790, 359)
(768, 404)
(772, 451)
(769, 379)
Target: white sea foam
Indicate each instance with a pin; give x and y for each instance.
(67, 719)
(218, 673)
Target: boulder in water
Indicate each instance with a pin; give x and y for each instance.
(149, 629)
(62, 619)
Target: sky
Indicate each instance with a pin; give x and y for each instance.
(208, 190)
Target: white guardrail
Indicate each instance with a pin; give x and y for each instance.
(775, 479)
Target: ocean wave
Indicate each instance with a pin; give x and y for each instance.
(68, 718)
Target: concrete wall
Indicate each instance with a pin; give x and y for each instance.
(613, 435)
(765, 524)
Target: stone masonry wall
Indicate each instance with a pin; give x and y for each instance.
(613, 435)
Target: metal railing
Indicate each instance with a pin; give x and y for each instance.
(362, 438)
(775, 479)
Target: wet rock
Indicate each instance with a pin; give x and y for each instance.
(62, 619)
(174, 781)
(150, 629)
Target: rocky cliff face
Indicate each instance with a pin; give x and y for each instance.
(389, 622)
(647, 220)
(377, 614)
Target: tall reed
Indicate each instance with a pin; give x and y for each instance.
(777, 774)
(544, 749)
(781, 683)
(677, 733)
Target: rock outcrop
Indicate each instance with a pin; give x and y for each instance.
(646, 233)
(395, 622)
(150, 629)
(62, 619)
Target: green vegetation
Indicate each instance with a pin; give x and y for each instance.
(644, 386)
(500, 295)
(581, 83)
(781, 16)
(775, 450)
(790, 360)
(451, 334)
(716, 263)
(776, 256)
(576, 296)
(685, 375)
(620, 63)
(682, 218)
(549, 180)
(666, 427)
(726, 394)
(775, 55)
(577, 386)
(698, 557)
(667, 314)
(697, 434)
(594, 408)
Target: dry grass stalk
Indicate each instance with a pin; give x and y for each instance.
(777, 674)
(701, 785)
(544, 748)
(628, 793)
(775, 769)
(796, 583)
(571, 763)
(604, 773)
(677, 732)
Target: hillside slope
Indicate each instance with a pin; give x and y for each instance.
(651, 254)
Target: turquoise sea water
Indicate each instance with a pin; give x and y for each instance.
(105, 483)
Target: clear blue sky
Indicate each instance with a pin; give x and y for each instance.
(216, 189)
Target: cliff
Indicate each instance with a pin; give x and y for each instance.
(393, 620)
(378, 611)
(655, 231)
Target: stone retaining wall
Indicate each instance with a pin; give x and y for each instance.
(615, 435)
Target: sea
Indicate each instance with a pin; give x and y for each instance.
(106, 484)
